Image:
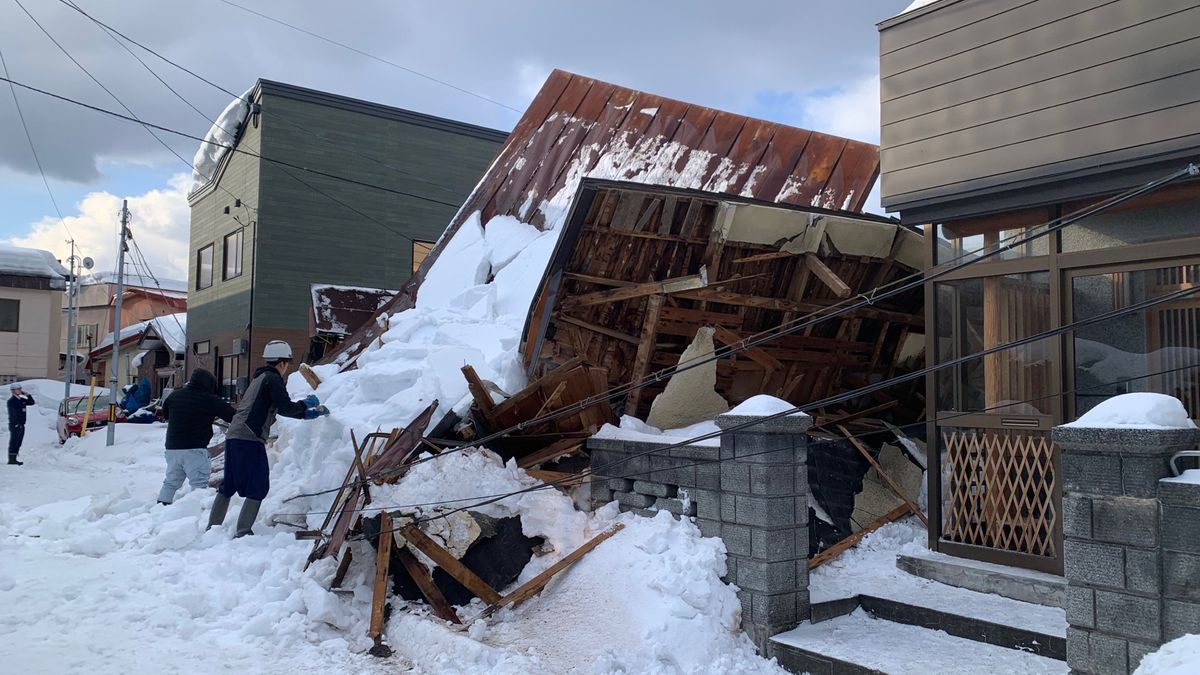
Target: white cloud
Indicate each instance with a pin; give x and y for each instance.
(159, 223)
(851, 111)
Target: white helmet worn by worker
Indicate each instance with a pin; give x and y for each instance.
(277, 350)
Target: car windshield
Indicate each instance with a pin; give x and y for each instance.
(79, 406)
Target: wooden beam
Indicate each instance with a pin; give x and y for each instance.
(535, 585)
(827, 276)
(558, 450)
(451, 565)
(645, 351)
(309, 376)
(616, 335)
(845, 544)
(762, 257)
(558, 478)
(675, 285)
(479, 391)
(424, 582)
(884, 475)
(755, 354)
(343, 567)
(383, 560)
(856, 415)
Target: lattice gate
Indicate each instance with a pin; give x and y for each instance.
(1000, 491)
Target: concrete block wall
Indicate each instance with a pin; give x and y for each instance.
(1132, 545)
(751, 491)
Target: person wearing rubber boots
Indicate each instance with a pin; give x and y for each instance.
(246, 470)
(17, 403)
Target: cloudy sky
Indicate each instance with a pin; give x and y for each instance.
(812, 64)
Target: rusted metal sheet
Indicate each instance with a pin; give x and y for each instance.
(341, 310)
(578, 127)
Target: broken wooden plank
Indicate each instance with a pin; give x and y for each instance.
(557, 478)
(535, 585)
(383, 560)
(762, 257)
(550, 453)
(400, 446)
(616, 335)
(425, 585)
(479, 392)
(549, 381)
(334, 508)
(309, 376)
(827, 276)
(551, 400)
(451, 565)
(847, 543)
(755, 354)
(645, 351)
(883, 474)
(343, 567)
(689, 282)
(866, 412)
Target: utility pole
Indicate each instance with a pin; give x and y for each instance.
(69, 371)
(113, 380)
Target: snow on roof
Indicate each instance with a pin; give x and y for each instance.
(171, 329)
(217, 142)
(917, 4)
(30, 262)
(173, 286)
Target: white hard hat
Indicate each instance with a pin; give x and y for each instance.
(276, 350)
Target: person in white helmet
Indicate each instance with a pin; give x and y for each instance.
(17, 403)
(246, 470)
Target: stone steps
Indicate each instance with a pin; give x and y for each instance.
(1018, 584)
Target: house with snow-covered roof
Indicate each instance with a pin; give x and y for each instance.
(31, 295)
(153, 349)
(296, 187)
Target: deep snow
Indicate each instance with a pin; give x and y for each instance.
(1139, 410)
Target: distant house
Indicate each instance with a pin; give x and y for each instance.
(1001, 115)
(143, 299)
(316, 183)
(153, 349)
(31, 285)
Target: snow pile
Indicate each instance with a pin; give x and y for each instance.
(31, 262)
(1141, 410)
(221, 135)
(1189, 477)
(764, 405)
(633, 429)
(1178, 657)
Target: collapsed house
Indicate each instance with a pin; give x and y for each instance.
(678, 229)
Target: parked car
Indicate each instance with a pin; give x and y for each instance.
(72, 411)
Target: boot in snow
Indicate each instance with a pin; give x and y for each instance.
(247, 516)
(12, 459)
(219, 508)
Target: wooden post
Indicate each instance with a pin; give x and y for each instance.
(383, 560)
(460, 572)
(424, 582)
(645, 351)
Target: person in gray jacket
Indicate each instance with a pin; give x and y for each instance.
(246, 471)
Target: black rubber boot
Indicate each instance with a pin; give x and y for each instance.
(12, 459)
(247, 517)
(220, 507)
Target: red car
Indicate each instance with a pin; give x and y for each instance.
(71, 413)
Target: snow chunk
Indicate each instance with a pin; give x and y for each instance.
(219, 139)
(1141, 410)
(1177, 657)
(633, 429)
(31, 262)
(763, 405)
(463, 264)
(1189, 477)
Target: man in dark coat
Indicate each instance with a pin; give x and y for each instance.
(17, 403)
(190, 412)
(246, 470)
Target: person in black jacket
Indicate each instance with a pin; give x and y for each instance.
(246, 470)
(17, 403)
(190, 412)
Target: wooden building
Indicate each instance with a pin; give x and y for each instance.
(313, 185)
(999, 116)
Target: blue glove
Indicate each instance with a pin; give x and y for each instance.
(314, 413)
(311, 401)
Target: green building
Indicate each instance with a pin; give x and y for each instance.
(317, 189)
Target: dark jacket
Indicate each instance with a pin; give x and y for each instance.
(16, 409)
(190, 412)
(266, 396)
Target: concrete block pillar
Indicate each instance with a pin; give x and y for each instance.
(763, 520)
(1132, 545)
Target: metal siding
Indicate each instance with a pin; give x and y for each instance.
(1036, 96)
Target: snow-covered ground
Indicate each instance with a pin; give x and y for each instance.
(97, 578)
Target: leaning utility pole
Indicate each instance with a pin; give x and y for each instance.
(69, 367)
(113, 380)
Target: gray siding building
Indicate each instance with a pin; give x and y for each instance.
(320, 189)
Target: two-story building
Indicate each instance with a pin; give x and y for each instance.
(317, 189)
(31, 294)
(1001, 119)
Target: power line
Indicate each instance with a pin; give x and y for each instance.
(271, 160)
(380, 59)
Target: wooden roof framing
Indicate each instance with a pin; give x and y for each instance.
(578, 127)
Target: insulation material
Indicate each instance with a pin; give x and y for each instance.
(690, 396)
(876, 497)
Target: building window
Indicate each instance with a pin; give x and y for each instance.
(10, 315)
(228, 370)
(204, 267)
(232, 254)
(85, 335)
(202, 347)
(420, 249)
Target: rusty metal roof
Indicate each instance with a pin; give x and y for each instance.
(578, 127)
(341, 310)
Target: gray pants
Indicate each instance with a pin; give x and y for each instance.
(192, 464)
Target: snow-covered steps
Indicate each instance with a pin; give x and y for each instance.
(1010, 582)
(861, 643)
